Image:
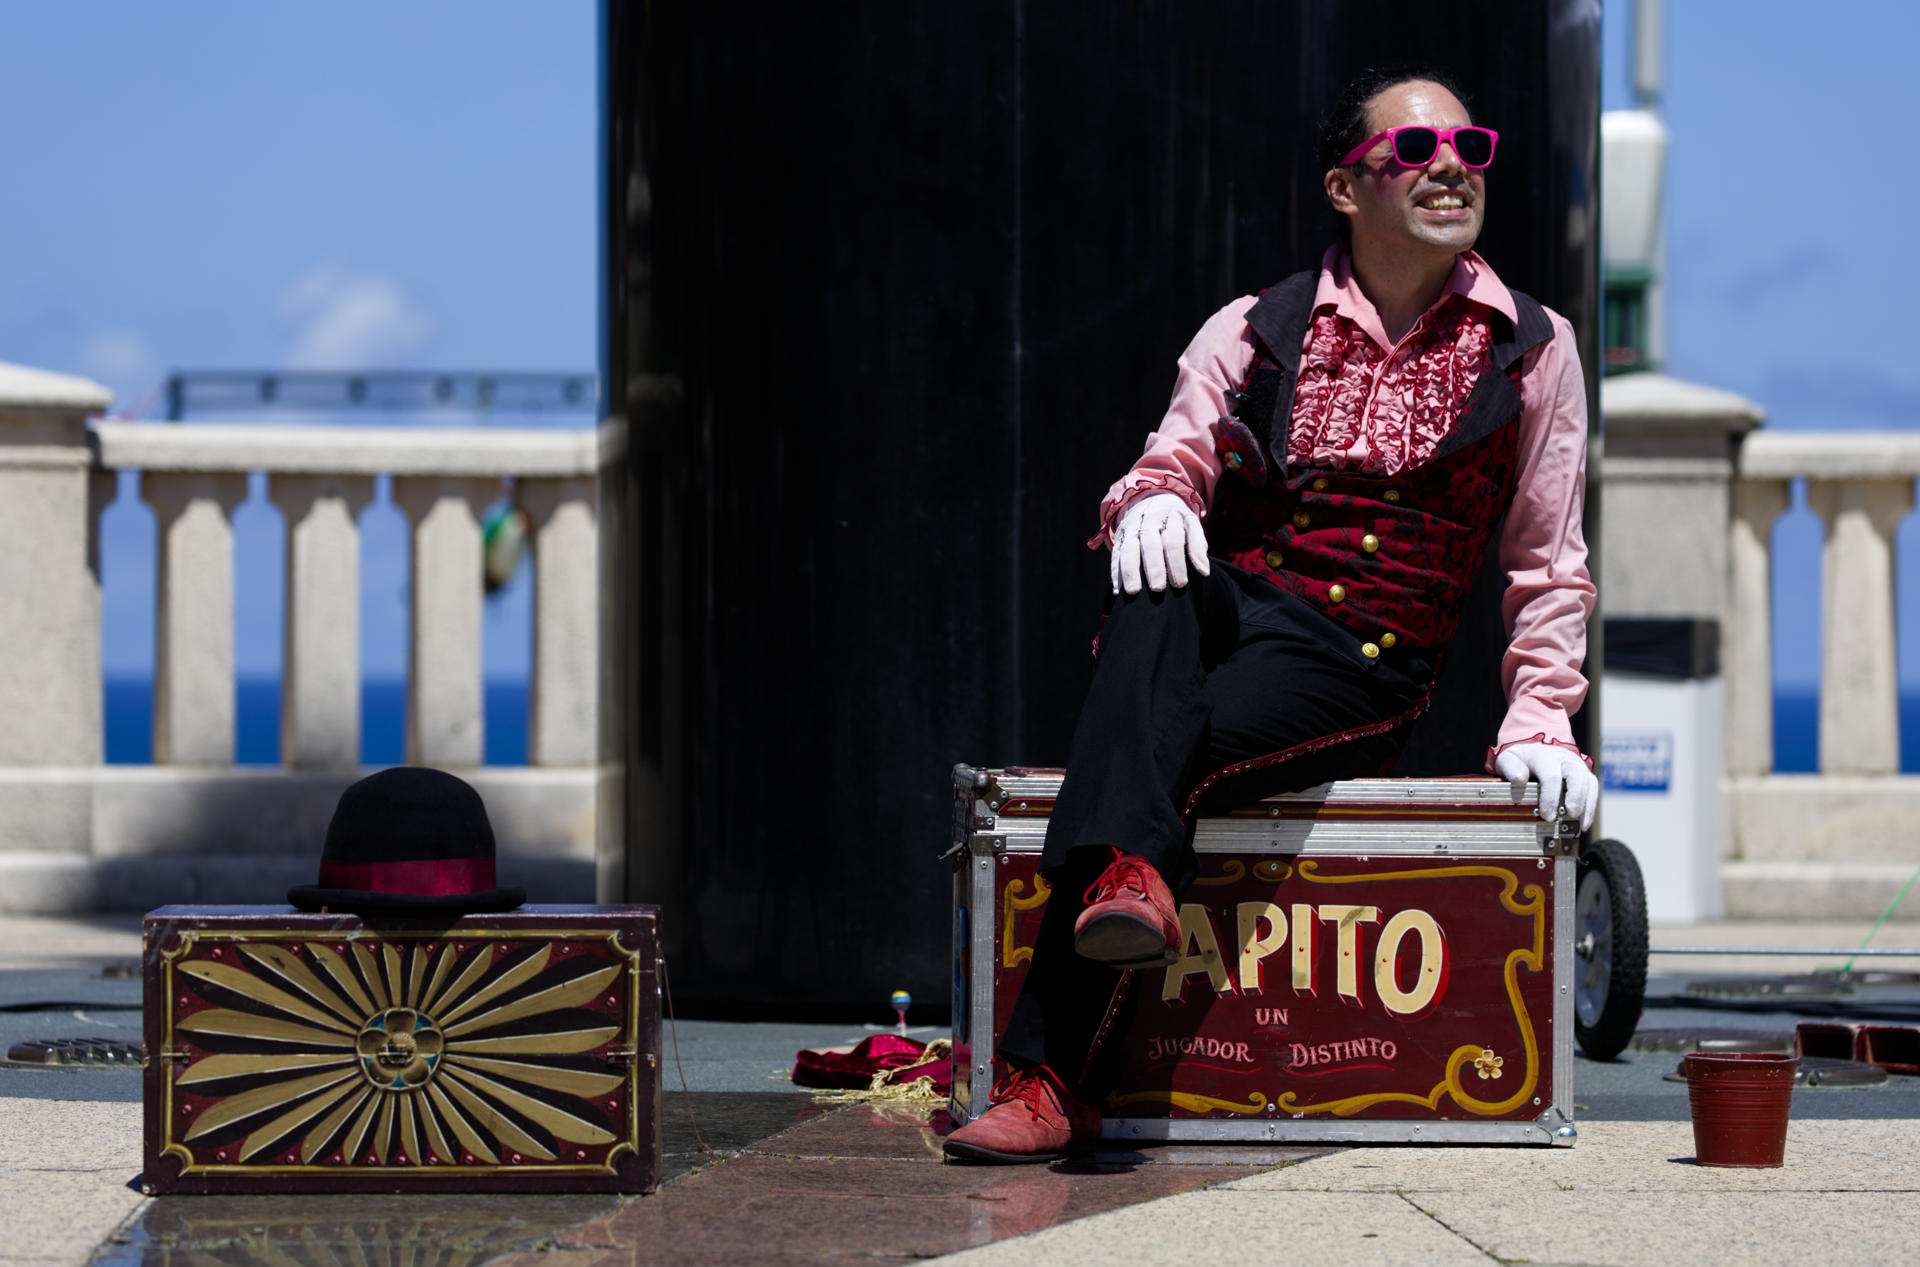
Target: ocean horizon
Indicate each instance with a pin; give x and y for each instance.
(383, 720)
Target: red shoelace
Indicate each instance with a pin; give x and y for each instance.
(1124, 872)
(1025, 1085)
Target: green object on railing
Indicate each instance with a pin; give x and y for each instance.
(1884, 917)
(503, 537)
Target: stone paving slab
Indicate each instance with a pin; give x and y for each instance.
(37, 941)
(1653, 1229)
(1822, 1155)
(1629, 1193)
(65, 1166)
(1897, 934)
(1230, 1227)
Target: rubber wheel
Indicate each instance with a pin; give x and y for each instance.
(1609, 948)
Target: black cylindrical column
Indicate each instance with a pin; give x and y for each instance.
(893, 292)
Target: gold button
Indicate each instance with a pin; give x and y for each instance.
(1320, 486)
(1393, 495)
(1369, 543)
(1300, 519)
(1370, 651)
(1336, 593)
(1275, 558)
(1387, 640)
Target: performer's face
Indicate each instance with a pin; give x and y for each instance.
(1436, 209)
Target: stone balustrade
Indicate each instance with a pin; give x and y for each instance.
(321, 478)
(79, 834)
(1692, 495)
(1860, 484)
(1843, 841)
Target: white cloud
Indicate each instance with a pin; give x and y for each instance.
(119, 358)
(343, 321)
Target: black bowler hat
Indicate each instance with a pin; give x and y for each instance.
(408, 841)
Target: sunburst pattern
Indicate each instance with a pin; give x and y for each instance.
(417, 1054)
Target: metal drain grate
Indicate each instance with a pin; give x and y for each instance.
(1711, 1039)
(1817, 1071)
(1804, 989)
(76, 1051)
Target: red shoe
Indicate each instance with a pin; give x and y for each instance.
(1130, 921)
(1033, 1117)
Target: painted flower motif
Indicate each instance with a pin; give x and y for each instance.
(1486, 1064)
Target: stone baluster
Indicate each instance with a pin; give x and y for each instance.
(193, 705)
(444, 708)
(320, 676)
(1859, 678)
(1746, 638)
(563, 729)
(49, 578)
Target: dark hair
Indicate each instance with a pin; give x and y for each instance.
(1346, 124)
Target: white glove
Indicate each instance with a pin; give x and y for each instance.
(1555, 768)
(1158, 533)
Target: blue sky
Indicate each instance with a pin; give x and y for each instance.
(361, 184)
(1791, 245)
(342, 186)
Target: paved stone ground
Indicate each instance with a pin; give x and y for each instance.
(782, 1176)
(1629, 1193)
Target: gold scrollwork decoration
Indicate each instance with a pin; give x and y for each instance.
(1273, 870)
(1232, 871)
(1528, 901)
(1189, 1101)
(1012, 953)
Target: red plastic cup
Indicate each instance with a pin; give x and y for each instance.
(1740, 1103)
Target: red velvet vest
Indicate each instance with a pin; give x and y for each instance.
(1390, 557)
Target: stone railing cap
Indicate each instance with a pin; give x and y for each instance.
(1659, 398)
(311, 448)
(25, 388)
(1831, 455)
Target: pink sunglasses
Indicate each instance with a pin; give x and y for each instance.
(1414, 145)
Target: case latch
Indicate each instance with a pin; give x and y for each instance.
(1561, 838)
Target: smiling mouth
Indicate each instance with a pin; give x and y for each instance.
(1442, 202)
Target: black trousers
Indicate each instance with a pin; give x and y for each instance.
(1190, 682)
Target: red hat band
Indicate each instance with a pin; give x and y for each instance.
(442, 877)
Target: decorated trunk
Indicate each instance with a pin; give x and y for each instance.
(303, 1052)
(1377, 959)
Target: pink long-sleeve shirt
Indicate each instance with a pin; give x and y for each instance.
(1549, 594)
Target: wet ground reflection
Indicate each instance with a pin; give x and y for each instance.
(780, 1176)
(432, 1230)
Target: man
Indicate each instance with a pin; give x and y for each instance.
(1355, 440)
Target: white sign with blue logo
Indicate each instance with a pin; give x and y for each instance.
(1637, 761)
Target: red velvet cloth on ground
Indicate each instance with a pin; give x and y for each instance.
(903, 1060)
